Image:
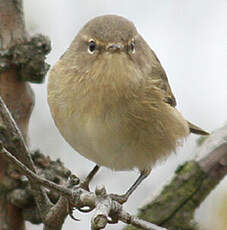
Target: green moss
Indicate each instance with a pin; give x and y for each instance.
(2, 128)
(201, 140)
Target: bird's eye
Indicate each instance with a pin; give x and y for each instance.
(132, 46)
(91, 46)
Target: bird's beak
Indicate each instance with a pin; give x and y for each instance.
(114, 47)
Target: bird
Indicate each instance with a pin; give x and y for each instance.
(110, 98)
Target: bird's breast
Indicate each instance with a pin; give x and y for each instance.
(100, 135)
(113, 117)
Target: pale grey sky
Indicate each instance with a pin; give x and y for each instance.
(190, 39)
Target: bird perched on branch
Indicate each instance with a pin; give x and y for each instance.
(111, 100)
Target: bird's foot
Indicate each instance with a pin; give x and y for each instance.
(85, 185)
(121, 199)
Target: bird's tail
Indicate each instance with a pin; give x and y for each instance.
(195, 129)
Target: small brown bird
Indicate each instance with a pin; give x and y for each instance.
(110, 98)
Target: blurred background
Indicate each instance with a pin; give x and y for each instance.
(190, 39)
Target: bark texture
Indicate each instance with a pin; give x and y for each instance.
(16, 67)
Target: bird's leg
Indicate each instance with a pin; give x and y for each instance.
(123, 198)
(142, 176)
(85, 184)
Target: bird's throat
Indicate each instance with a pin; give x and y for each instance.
(115, 74)
(112, 81)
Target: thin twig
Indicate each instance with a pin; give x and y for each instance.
(16, 136)
(137, 222)
(22, 154)
(32, 176)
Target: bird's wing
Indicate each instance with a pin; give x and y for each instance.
(158, 73)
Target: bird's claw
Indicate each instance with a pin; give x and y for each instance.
(85, 185)
(72, 216)
(121, 199)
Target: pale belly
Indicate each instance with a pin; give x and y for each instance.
(104, 143)
(112, 144)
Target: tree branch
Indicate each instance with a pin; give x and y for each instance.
(12, 29)
(15, 136)
(17, 95)
(22, 153)
(105, 206)
(21, 58)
